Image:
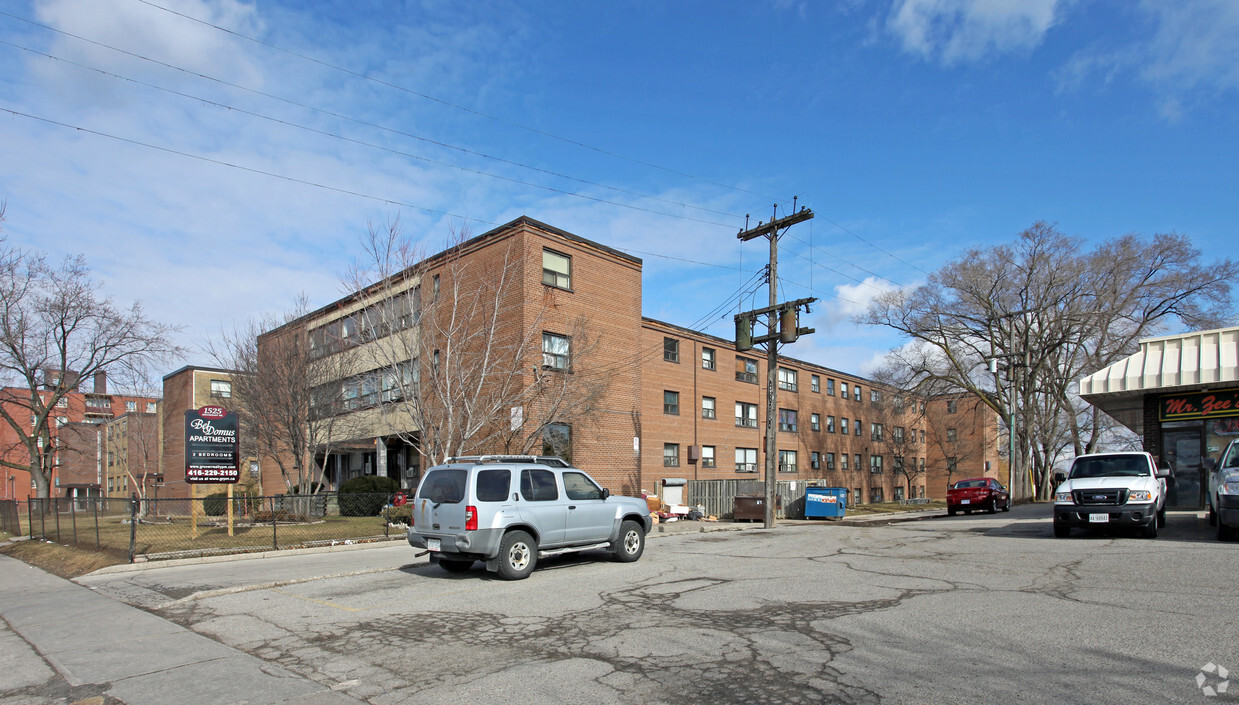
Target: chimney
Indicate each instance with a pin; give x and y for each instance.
(101, 382)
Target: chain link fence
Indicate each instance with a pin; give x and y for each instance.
(158, 529)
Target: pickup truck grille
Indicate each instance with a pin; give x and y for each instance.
(1112, 497)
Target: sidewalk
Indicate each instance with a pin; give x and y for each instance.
(62, 642)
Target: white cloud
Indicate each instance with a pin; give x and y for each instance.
(852, 300)
(968, 30)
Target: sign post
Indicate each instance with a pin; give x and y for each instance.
(212, 454)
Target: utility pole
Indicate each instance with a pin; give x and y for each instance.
(782, 322)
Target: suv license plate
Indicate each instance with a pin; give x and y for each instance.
(1092, 519)
(434, 545)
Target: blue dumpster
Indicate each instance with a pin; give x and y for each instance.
(825, 502)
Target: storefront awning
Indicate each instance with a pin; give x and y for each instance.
(1204, 360)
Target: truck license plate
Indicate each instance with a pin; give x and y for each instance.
(433, 544)
(1099, 518)
(965, 501)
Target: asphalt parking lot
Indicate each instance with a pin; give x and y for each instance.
(972, 608)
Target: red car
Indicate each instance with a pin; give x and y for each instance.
(977, 493)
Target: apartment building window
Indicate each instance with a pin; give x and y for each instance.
(746, 414)
(951, 435)
(830, 461)
(746, 460)
(843, 389)
(708, 408)
(671, 455)
(787, 380)
(557, 440)
(787, 420)
(815, 383)
(898, 462)
(787, 461)
(671, 403)
(858, 426)
(952, 465)
(556, 269)
(859, 494)
(950, 406)
(897, 434)
(858, 465)
(671, 350)
(150, 407)
(707, 456)
(815, 460)
(875, 463)
(875, 495)
(221, 388)
(746, 370)
(830, 424)
(843, 425)
(131, 406)
(708, 359)
(856, 392)
(875, 396)
(830, 387)
(898, 494)
(556, 351)
(875, 431)
(815, 422)
(62, 402)
(843, 461)
(434, 294)
(111, 458)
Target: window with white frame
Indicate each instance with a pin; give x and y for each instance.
(131, 406)
(843, 425)
(708, 408)
(875, 431)
(787, 380)
(150, 407)
(815, 459)
(787, 461)
(858, 426)
(815, 383)
(221, 388)
(556, 351)
(746, 414)
(897, 434)
(843, 461)
(746, 370)
(815, 422)
(875, 463)
(843, 389)
(671, 455)
(709, 359)
(746, 460)
(707, 456)
(556, 269)
(859, 494)
(830, 424)
(830, 461)
(856, 392)
(830, 387)
(898, 493)
(875, 396)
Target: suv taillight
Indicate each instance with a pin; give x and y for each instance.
(471, 518)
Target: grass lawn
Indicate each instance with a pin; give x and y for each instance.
(894, 507)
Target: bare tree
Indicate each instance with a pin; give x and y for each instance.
(462, 361)
(56, 329)
(896, 414)
(289, 393)
(1047, 312)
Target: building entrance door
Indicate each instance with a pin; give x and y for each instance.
(1184, 449)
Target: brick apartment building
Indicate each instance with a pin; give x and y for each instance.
(678, 403)
(188, 389)
(75, 427)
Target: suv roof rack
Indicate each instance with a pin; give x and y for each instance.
(552, 460)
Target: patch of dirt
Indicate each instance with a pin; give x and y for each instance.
(65, 561)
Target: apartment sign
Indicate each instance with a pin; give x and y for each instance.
(211, 445)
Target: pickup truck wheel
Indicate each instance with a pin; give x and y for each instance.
(518, 554)
(1161, 518)
(1061, 531)
(631, 543)
(1224, 532)
(1149, 531)
(452, 565)
(1212, 516)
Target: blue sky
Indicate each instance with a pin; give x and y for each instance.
(213, 177)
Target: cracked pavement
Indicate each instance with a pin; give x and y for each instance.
(965, 609)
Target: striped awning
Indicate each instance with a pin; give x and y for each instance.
(1204, 360)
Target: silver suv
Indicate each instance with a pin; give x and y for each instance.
(512, 510)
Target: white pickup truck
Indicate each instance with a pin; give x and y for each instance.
(1112, 489)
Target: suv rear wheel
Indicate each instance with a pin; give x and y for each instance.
(518, 554)
(631, 542)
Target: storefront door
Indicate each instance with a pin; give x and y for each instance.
(1183, 448)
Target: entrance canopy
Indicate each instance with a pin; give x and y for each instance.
(1208, 359)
